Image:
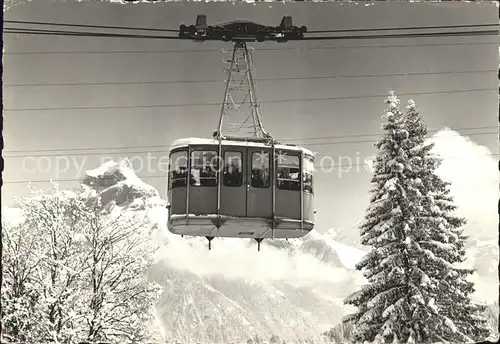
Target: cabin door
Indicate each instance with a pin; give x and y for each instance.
(233, 181)
(258, 182)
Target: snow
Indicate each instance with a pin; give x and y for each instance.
(411, 103)
(431, 304)
(396, 211)
(107, 168)
(408, 240)
(391, 184)
(388, 311)
(128, 190)
(442, 246)
(396, 165)
(448, 323)
(425, 280)
(123, 166)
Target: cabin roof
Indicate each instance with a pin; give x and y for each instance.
(184, 142)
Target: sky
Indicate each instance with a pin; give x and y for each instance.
(132, 86)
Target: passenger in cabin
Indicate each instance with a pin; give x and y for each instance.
(288, 180)
(201, 175)
(260, 178)
(308, 182)
(207, 176)
(265, 177)
(195, 176)
(257, 181)
(294, 179)
(227, 176)
(282, 183)
(232, 175)
(179, 177)
(204, 175)
(173, 178)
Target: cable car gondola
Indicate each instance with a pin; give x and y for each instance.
(240, 187)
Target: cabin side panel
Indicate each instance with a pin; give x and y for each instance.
(177, 199)
(202, 200)
(308, 207)
(177, 181)
(308, 199)
(288, 204)
(287, 184)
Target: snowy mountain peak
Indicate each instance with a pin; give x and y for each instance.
(117, 182)
(123, 167)
(327, 249)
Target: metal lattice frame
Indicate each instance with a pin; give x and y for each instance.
(240, 114)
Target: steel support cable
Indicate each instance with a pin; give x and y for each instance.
(91, 26)
(311, 32)
(290, 100)
(395, 28)
(182, 51)
(100, 151)
(321, 77)
(407, 35)
(379, 36)
(84, 34)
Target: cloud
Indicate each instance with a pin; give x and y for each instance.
(238, 260)
(472, 171)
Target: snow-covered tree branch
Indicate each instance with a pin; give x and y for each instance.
(73, 271)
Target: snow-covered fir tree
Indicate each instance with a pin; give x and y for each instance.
(384, 230)
(415, 240)
(446, 239)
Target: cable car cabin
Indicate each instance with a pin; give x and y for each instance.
(243, 196)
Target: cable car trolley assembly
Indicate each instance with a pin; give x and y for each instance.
(241, 183)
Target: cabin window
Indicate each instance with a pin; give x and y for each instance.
(232, 174)
(260, 170)
(203, 168)
(288, 171)
(308, 168)
(178, 169)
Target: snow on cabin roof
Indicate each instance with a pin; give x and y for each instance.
(204, 141)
